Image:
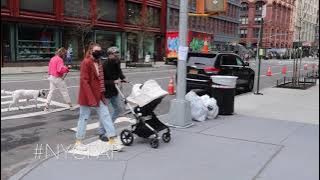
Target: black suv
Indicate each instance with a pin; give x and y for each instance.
(201, 66)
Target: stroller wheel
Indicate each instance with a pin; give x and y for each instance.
(154, 143)
(126, 137)
(166, 137)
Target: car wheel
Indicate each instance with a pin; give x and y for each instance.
(250, 84)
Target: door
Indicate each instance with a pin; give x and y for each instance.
(243, 71)
(132, 45)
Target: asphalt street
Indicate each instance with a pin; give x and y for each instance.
(22, 130)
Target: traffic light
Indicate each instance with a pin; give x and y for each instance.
(211, 6)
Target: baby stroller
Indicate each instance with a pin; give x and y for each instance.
(147, 124)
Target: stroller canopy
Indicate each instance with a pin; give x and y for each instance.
(141, 95)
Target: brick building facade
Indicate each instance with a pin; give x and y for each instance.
(224, 29)
(278, 24)
(31, 30)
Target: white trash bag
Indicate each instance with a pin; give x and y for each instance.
(198, 110)
(211, 105)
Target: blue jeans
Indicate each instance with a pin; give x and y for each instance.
(104, 118)
(69, 60)
(116, 106)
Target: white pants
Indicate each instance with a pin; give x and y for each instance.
(56, 82)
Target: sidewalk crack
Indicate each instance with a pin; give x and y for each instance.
(246, 140)
(267, 163)
(292, 133)
(127, 161)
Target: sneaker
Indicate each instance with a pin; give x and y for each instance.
(103, 138)
(72, 108)
(46, 109)
(115, 145)
(80, 147)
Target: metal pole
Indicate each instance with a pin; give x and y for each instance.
(259, 45)
(180, 110)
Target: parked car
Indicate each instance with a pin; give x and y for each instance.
(200, 67)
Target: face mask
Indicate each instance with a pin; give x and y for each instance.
(97, 54)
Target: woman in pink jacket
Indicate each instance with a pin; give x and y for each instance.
(56, 72)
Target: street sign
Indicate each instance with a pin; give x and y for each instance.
(215, 6)
(264, 11)
(261, 52)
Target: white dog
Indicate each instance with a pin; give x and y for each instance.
(27, 94)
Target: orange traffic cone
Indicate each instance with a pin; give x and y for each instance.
(205, 48)
(171, 87)
(269, 73)
(305, 67)
(284, 70)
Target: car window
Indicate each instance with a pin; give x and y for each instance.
(228, 60)
(239, 61)
(200, 60)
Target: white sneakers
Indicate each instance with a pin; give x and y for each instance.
(79, 146)
(115, 144)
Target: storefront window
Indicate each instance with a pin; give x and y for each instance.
(132, 47)
(133, 13)
(36, 5)
(107, 39)
(6, 48)
(36, 43)
(153, 17)
(107, 10)
(148, 46)
(4, 3)
(77, 8)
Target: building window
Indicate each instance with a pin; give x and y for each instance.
(153, 15)
(212, 25)
(176, 19)
(243, 33)
(77, 8)
(36, 43)
(107, 10)
(133, 13)
(244, 7)
(244, 20)
(4, 3)
(256, 32)
(107, 39)
(257, 19)
(36, 5)
(6, 44)
(193, 22)
(259, 5)
(193, 4)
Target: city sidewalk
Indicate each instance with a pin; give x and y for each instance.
(270, 137)
(44, 69)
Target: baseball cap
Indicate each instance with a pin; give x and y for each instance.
(113, 50)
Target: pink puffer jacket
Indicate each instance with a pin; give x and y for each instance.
(57, 67)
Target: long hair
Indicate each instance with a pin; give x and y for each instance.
(90, 49)
(61, 51)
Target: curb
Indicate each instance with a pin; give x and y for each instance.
(128, 69)
(22, 73)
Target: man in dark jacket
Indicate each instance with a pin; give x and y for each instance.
(112, 75)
